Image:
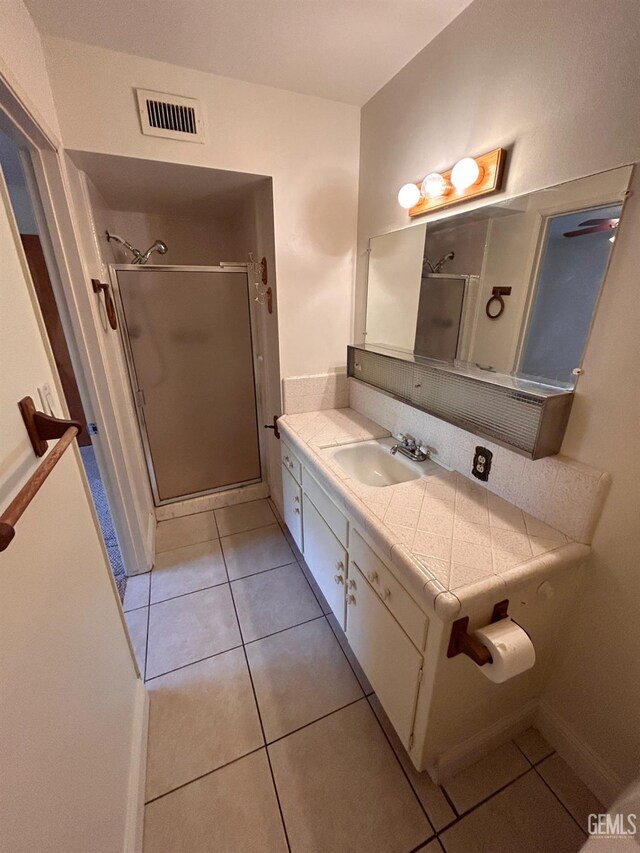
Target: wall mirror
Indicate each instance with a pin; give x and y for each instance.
(511, 287)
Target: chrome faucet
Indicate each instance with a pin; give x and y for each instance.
(409, 448)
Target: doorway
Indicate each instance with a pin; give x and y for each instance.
(33, 238)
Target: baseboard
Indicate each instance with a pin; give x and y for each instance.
(476, 747)
(229, 497)
(588, 765)
(137, 774)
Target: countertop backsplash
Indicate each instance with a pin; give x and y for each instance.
(561, 492)
(315, 393)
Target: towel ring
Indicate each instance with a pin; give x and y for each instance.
(496, 296)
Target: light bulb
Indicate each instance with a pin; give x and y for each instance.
(433, 186)
(408, 196)
(465, 173)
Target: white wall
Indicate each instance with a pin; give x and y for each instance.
(22, 64)
(308, 145)
(71, 706)
(558, 83)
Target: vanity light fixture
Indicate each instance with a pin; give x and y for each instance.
(408, 196)
(469, 178)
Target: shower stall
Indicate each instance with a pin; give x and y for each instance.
(188, 340)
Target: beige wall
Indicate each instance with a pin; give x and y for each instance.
(308, 145)
(22, 64)
(559, 84)
(71, 702)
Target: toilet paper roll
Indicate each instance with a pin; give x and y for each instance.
(512, 651)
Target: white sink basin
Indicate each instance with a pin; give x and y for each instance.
(371, 463)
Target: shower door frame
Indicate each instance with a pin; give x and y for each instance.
(230, 267)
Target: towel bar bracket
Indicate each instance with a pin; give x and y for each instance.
(41, 427)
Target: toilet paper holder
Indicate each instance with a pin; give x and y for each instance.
(463, 643)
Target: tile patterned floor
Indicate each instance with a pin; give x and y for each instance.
(265, 735)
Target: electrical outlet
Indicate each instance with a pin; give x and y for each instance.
(482, 463)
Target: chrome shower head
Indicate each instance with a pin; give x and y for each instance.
(159, 247)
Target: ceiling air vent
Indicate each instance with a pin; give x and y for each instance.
(170, 116)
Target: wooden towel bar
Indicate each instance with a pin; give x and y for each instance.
(40, 428)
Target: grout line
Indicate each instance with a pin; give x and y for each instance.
(246, 529)
(203, 775)
(185, 545)
(423, 844)
(260, 571)
(146, 645)
(473, 808)
(404, 772)
(184, 594)
(257, 706)
(191, 663)
(557, 796)
(445, 794)
(282, 630)
(317, 720)
(533, 763)
(353, 669)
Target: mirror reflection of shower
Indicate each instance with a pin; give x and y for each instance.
(138, 256)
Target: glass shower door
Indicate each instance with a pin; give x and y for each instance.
(187, 332)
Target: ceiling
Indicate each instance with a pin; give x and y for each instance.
(344, 50)
(149, 186)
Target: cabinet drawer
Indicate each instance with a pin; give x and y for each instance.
(291, 462)
(326, 558)
(326, 507)
(385, 653)
(389, 590)
(292, 506)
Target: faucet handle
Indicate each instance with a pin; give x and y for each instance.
(409, 441)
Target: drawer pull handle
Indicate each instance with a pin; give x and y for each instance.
(351, 599)
(296, 499)
(385, 594)
(286, 459)
(296, 509)
(372, 577)
(338, 578)
(340, 566)
(351, 584)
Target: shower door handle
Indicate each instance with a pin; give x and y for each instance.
(274, 426)
(110, 308)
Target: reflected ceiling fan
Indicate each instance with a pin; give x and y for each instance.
(594, 226)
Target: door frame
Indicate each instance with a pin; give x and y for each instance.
(48, 185)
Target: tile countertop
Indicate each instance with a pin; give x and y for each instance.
(451, 539)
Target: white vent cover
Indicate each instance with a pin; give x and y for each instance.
(171, 116)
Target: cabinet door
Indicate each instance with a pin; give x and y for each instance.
(325, 557)
(384, 651)
(292, 506)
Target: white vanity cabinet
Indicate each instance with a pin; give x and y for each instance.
(390, 661)
(384, 626)
(326, 558)
(292, 494)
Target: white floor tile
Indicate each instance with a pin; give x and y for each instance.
(137, 626)
(272, 601)
(342, 789)
(241, 517)
(524, 818)
(186, 530)
(486, 776)
(137, 591)
(187, 569)
(571, 790)
(430, 795)
(186, 629)
(533, 745)
(200, 717)
(299, 675)
(255, 551)
(233, 810)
